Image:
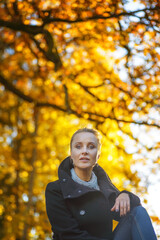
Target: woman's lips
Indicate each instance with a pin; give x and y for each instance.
(84, 159)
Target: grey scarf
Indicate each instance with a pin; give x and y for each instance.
(91, 183)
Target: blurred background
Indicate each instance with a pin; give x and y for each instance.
(66, 64)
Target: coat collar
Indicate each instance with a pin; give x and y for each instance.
(71, 189)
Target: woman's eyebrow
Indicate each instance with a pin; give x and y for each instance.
(92, 142)
(87, 142)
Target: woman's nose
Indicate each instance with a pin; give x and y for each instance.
(84, 150)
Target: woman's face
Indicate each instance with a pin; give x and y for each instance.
(84, 150)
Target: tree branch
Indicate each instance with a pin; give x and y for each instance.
(18, 26)
(14, 90)
(46, 104)
(9, 86)
(4, 122)
(97, 17)
(92, 116)
(51, 54)
(67, 103)
(122, 120)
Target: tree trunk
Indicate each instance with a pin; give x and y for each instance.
(31, 178)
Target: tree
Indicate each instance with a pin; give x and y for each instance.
(66, 64)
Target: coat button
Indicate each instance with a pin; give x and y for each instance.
(82, 212)
(69, 196)
(64, 180)
(79, 191)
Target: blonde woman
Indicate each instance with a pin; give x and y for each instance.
(83, 202)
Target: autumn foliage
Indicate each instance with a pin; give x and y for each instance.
(68, 64)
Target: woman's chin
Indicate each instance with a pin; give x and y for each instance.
(85, 165)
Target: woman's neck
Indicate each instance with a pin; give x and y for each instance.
(83, 174)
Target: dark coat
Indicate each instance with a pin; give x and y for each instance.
(77, 212)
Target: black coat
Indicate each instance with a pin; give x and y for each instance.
(77, 212)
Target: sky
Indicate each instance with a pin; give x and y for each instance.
(149, 178)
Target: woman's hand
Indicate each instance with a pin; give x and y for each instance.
(122, 204)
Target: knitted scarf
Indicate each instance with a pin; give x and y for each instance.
(92, 183)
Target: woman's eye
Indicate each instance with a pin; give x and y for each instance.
(78, 146)
(91, 146)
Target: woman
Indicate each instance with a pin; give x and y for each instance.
(83, 202)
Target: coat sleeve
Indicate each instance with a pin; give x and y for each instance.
(64, 225)
(134, 201)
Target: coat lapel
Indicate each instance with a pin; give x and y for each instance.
(71, 189)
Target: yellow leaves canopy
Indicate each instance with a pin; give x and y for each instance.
(65, 65)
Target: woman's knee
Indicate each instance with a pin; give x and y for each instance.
(139, 211)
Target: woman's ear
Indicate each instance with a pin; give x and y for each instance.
(99, 152)
(98, 156)
(71, 161)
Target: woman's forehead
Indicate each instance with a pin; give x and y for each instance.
(85, 137)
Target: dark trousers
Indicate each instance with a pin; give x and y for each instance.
(136, 225)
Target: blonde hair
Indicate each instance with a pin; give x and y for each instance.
(90, 130)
